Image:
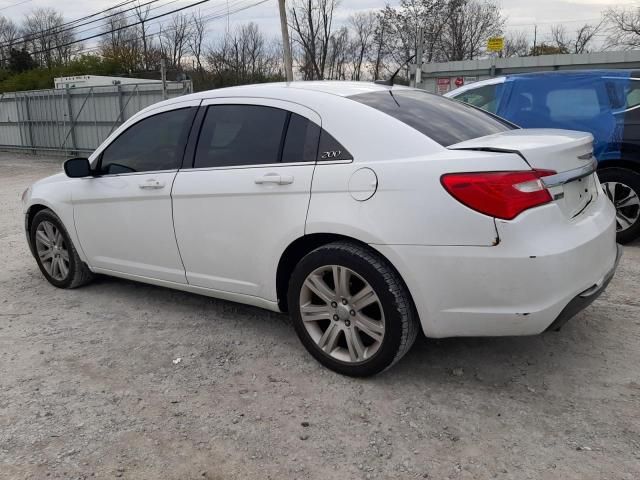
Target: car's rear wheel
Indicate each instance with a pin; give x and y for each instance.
(56, 256)
(351, 310)
(622, 186)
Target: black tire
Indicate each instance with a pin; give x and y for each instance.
(400, 317)
(630, 179)
(78, 273)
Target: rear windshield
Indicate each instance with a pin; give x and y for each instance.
(441, 119)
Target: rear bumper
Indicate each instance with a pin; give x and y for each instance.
(586, 298)
(518, 287)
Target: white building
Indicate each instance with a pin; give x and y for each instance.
(442, 77)
(96, 81)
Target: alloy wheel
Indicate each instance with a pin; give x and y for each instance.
(342, 314)
(52, 250)
(627, 204)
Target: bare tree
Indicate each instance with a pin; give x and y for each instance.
(244, 56)
(363, 25)
(120, 42)
(401, 32)
(47, 38)
(516, 44)
(585, 36)
(579, 43)
(312, 22)
(141, 15)
(339, 55)
(379, 44)
(623, 25)
(469, 25)
(9, 35)
(196, 39)
(560, 38)
(174, 39)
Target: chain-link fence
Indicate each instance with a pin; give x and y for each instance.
(74, 120)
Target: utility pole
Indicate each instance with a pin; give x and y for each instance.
(286, 45)
(535, 38)
(419, 53)
(163, 75)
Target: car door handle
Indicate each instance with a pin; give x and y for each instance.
(275, 178)
(151, 184)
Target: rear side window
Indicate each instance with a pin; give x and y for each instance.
(573, 104)
(485, 97)
(331, 149)
(154, 143)
(236, 135)
(240, 135)
(443, 120)
(301, 142)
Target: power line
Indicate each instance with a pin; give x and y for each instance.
(554, 22)
(70, 22)
(118, 28)
(220, 13)
(15, 4)
(57, 30)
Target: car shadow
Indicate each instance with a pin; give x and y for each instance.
(491, 361)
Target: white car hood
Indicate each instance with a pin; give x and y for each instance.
(543, 148)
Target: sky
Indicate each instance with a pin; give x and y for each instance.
(521, 15)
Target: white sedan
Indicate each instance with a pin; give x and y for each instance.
(365, 211)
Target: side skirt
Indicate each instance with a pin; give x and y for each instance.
(207, 292)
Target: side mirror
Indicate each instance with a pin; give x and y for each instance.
(77, 167)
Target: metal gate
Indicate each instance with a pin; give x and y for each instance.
(74, 120)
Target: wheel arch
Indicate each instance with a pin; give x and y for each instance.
(304, 245)
(29, 216)
(620, 163)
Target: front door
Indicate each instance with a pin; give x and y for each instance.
(123, 215)
(246, 198)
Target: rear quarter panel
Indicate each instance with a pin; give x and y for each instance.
(410, 206)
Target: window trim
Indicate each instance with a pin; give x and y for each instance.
(98, 168)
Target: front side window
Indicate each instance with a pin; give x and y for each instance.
(154, 143)
(443, 120)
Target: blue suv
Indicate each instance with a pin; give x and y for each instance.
(605, 103)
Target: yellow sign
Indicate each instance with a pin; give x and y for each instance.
(495, 44)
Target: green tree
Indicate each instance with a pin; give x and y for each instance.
(20, 61)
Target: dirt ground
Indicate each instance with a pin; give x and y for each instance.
(89, 389)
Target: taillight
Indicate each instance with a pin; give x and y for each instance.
(499, 194)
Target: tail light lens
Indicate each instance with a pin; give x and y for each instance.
(499, 194)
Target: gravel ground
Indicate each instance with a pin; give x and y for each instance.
(89, 387)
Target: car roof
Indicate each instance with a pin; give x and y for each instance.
(332, 87)
(287, 90)
(575, 73)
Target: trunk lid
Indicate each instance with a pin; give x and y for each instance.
(567, 152)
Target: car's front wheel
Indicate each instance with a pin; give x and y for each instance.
(56, 256)
(351, 310)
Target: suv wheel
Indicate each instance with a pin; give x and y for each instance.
(351, 310)
(622, 186)
(56, 256)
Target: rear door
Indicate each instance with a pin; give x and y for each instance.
(246, 197)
